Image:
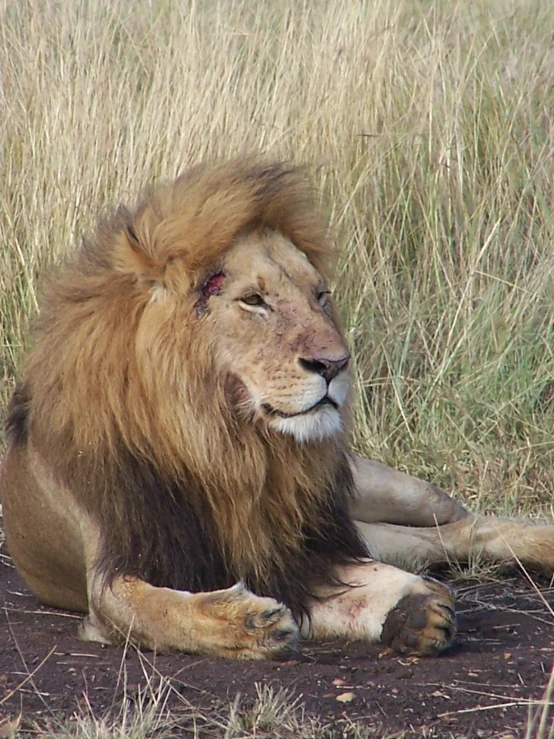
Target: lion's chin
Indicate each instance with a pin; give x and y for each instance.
(318, 425)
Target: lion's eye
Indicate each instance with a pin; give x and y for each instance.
(253, 300)
(322, 296)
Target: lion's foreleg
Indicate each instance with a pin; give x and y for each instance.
(409, 613)
(387, 495)
(495, 539)
(225, 623)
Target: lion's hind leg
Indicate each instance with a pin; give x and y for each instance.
(224, 623)
(411, 614)
(495, 539)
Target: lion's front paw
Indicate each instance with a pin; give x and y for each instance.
(246, 626)
(422, 622)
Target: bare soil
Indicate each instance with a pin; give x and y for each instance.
(485, 687)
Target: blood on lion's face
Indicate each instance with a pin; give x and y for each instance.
(278, 337)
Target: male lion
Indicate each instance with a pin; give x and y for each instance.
(178, 465)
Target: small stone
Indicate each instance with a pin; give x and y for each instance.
(346, 697)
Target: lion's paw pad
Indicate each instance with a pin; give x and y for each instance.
(422, 623)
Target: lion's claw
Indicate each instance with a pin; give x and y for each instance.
(275, 631)
(250, 626)
(266, 618)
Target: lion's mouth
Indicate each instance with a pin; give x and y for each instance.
(270, 411)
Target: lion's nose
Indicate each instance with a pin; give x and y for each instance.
(327, 368)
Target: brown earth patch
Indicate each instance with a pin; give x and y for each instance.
(485, 687)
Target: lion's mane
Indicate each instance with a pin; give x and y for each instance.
(132, 415)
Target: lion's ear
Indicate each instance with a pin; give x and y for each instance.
(131, 256)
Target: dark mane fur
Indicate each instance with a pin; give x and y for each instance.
(191, 556)
(18, 414)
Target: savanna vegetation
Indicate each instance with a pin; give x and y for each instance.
(427, 127)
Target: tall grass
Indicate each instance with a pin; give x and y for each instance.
(428, 128)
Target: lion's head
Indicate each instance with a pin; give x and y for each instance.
(193, 348)
(273, 331)
(232, 262)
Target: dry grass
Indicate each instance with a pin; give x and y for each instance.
(157, 711)
(427, 128)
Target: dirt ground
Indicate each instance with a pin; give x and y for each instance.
(484, 688)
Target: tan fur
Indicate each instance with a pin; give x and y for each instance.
(411, 523)
(174, 435)
(116, 370)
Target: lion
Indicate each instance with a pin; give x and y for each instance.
(178, 466)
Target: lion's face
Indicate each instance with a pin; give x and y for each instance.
(276, 334)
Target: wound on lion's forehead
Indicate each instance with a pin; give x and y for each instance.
(211, 286)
